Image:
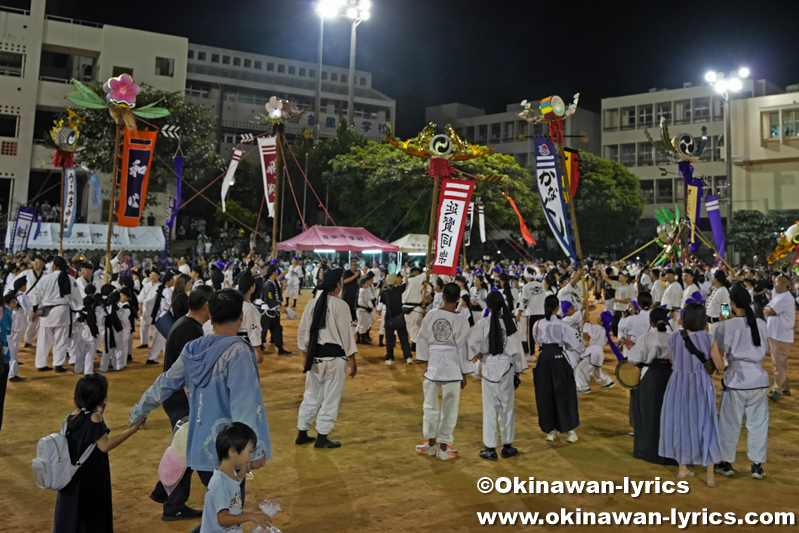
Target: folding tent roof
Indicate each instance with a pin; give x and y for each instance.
(412, 242)
(336, 238)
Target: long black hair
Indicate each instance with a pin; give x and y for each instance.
(551, 304)
(506, 289)
(64, 287)
(743, 300)
(496, 304)
(90, 392)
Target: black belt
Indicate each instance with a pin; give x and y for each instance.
(551, 349)
(369, 309)
(711, 320)
(329, 350)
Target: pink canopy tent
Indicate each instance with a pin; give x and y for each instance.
(336, 238)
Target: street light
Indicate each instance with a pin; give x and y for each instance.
(732, 84)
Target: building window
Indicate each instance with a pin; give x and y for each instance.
(363, 81)
(229, 138)
(214, 58)
(118, 71)
(388, 114)
(482, 133)
(312, 73)
(660, 157)
(343, 78)
(628, 155)
(226, 60)
(612, 152)
(281, 69)
(718, 142)
(236, 61)
(8, 125)
(718, 107)
(771, 125)
(258, 65)
(191, 54)
(324, 74)
(333, 76)
(682, 112)
(645, 116)
(664, 112)
(270, 67)
(201, 56)
(248, 63)
(644, 154)
(164, 66)
(11, 64)
(538, 130)
(198, 89)
(302, 72)
(665, 191)
(648, 191)
(790, 123)
(292, 71)
(610, 119)
(702, 109)
(508, 135)
(628, 118)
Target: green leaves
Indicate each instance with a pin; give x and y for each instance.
(151, 112)
(753, 233)
(86, 97)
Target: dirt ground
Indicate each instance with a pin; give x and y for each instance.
(376, 481)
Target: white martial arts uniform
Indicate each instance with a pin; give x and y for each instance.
(18, 324)
(672, 296)
(251, 324)
(324, 383)
(591, 359)
(658, 288)
(32, 292)
(632, 327)
(414, 296)
(159, 342)
(54, 328)
(719, 296)
(85, 342)
(649, 347)
(689, 292)
(365, 311)
(478, 297)
(497, 371)
(118, 355)
(575, 322)
(147, 300)
(293, 278)
(744, 389)
(442, 344)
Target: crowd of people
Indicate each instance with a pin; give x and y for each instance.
(212, 319)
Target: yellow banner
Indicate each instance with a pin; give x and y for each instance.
(693, 205)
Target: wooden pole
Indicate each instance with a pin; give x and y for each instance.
(278, 171)
(61, 232)
(431, 233)
(577, 248)
(114, 173)
(639, 249)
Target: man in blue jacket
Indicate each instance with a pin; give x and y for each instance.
(221, 377)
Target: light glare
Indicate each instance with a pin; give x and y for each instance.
(710, 77)
(365, 5)
(327, 8)
(743, 72)
(720, 86)
(352, 12)
(734, 85)
(364, 15)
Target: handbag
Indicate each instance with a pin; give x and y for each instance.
(710, 366)
(165, 323)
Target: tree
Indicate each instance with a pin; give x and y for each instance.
(197, 128)
(753, 233)
(608, 203)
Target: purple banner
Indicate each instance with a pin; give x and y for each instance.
(714, 214)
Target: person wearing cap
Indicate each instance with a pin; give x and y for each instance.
(293, 280)
(393, 319)
(325, 335)
(146, 303)
(251, 323)
(413, 299)
(85, 278)
(623, 297)
(273, 307)
(366, 309)
(34, 276)
(161, 306)
(18, 325)
(57, 292)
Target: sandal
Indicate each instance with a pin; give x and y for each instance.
(690, 473)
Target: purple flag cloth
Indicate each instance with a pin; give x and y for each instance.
(714, 214)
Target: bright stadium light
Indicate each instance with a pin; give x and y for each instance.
(720, 86)
(328, 8)
(710, 77)
(352, 12)
(734, 85)
(743, 72)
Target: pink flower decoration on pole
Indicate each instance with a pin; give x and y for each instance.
(121, 91)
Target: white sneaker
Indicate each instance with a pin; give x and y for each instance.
(571, 436)
(552, 435)
(450, 453)
(427, 448)
(409, 361)
(389, 362)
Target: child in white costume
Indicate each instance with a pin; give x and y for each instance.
(442, 345)
(590, 365)
(496, 341)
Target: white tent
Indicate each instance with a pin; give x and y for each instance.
(412, 243)
(93, 237)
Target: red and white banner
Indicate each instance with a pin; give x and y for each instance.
(267, 147)
(137, 159)
(452, 208)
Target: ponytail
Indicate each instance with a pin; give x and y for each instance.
(496, 304)
(659, 318)
(743, 300)
(551, 304)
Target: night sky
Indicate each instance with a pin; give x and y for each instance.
(489, 54)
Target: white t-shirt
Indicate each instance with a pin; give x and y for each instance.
(780, 327)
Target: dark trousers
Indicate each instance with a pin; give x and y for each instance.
(4, 369)
(205, 477)
(402, 333)
(615, 326)
(272, 325)
(531, 320)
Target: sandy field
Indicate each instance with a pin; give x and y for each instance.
(376, 481)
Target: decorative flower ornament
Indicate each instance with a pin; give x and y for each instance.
(121, 91)
(274, 108)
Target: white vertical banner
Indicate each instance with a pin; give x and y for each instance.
(230, 176)
(452, 208)
(481, 219)
(267, 148)
(70, 201)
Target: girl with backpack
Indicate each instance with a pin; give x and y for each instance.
(85, 503)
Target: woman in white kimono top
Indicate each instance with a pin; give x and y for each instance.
(636, 324)
(442, 345)
(497, 342)
(555, 392)
(744, 388)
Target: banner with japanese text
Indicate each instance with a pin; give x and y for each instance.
(22, 228)
(267, 147)
(467, 232)
(452, 208)
(70, 200)
(137, 159)
(550, 188)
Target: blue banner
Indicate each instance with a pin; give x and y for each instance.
(549, 179)
(97, 193)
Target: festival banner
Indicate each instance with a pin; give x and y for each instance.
(467, 231)
(694, 197)
(137, 158)
(97, 193)
(572, 169)
(22, 228)
(481, 222)
(230, 177)
(174, 201)
(714, 215)
(452, 207)
(70, 201)
(550, 189)
(528, 238)
(267, 147)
